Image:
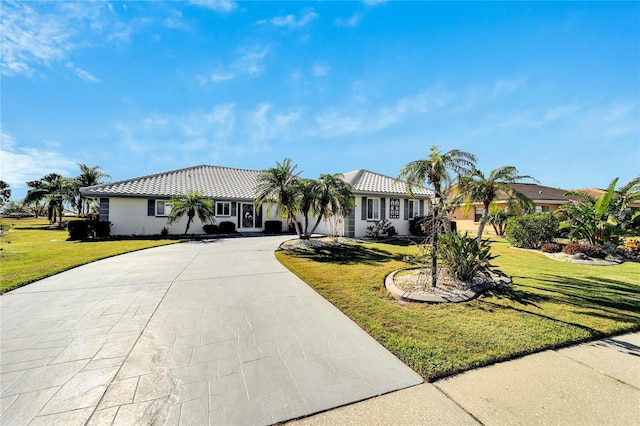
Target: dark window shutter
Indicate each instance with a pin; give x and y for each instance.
(258, 221)
(421, 207)
(383, 203)
(104, 209)
(233, 208)
(406, 209)
(364, 208)
(151, 207)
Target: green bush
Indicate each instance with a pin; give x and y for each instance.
(79, 229)
(102, 228)
(464, 257)
(381, 229)
(210, 229)
(273, 227)
(227, 227)
(531, 231)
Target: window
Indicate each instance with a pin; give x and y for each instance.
(223, 208)
(414, 209)
(542, 209)
(477, 217)
(373, 208)
(163, 208)
(394, 208)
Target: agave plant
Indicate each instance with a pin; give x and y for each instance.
(464, 257)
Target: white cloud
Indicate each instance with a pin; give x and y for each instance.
(373, 2)
(505, 87)
(320, 70)
(349, 22)
(249, 62)
(291, 22)
(176, 21)
(85, 75)
(224, 6)
(23, 164)
(344, 121)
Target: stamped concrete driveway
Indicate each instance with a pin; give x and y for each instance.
(197, 333)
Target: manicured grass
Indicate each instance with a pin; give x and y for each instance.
(32, 250)
(550, 304)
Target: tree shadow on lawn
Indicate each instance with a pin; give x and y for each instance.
(508, 291)
(611, 299)
(349, 255)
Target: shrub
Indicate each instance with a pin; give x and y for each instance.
(102, 228)
(227, 227)
(464, 257)
(79, 229)
(210, 229)
(551, 248)
(164, 232)
(273, 227)
(531, 231)
(381, 229)
(586, 249)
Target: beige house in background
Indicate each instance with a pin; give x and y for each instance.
(545, 199)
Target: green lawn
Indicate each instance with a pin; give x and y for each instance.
(32, 250)
(550, 304)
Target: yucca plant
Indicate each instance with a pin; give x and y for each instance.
(464, 257)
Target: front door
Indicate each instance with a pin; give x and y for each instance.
(247, 218)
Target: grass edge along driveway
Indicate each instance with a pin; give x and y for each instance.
(32, 250)
(550, 304)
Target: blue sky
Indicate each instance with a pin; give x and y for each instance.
(552, 88)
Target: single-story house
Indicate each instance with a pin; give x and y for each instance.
(544, 198)
(140, 206)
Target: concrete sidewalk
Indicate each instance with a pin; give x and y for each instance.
(595, 383)
(195, 333)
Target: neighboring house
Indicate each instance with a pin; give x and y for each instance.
(544, 198)
(140, 206)
(597, 193)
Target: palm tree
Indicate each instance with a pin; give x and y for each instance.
(192, 204)
(89, 176)
(333, 196)
(435, 170)
(54, 189)
(279, 185)
(308, 192)
(475, 187)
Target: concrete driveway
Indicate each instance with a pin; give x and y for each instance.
(197, 333)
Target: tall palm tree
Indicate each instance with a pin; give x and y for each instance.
(192, 204)
(54, 189)
(333, 195)
(475, 187)
(436, 170)
(89, 176)
(279, 185)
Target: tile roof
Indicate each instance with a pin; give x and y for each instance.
(229, 183)
(212, 181)
(366, 181)
(537, 192)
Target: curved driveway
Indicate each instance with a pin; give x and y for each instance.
(198, 333)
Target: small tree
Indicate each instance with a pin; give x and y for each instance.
(192, 204)
(5, 192)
